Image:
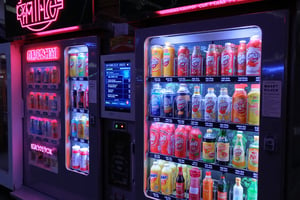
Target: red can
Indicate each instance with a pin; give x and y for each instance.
(212, 60)
(166, 140)
(154, 138)
(195, 138)
(196, 62)
(228, 59)
(180, 141)
(241, 59)
(31, 100)
(183, 61)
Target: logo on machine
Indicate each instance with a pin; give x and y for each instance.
(41, 148)
(37, 15)
(42, 54)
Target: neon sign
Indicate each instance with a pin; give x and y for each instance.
(41, 148)
(42, 54)
(37, 15)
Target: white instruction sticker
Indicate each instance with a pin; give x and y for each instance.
(92, 91)
(271, 99)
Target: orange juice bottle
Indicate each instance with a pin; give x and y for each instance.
(253, 152)
(166, 180)
(155, 177)
(238, 158)
(239, 104)
(253, 104)
(208, 185)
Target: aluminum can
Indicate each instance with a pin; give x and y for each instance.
(73, 64)
(196, 62)
(168, 60)
(75, 157)
(81, 64)
(183, 61)
(46, 75)
(212, 61)
(83, 159)
(156, 60)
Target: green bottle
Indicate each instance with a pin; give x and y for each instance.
(252, 190)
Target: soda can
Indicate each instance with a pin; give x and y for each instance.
(196, 62)
(166, 140)
(46, 75)
(156, 60)
(35, 126)
(54, 129)
(81, 64)
(86, 65)
(212, 61)
(37, 101)
(46, 128)
(74, 124)
(53, 106)
(31, 75)
(168, 60)
(183, 61)
(80, 128)
(181, 139)
(154, 137)
(83, 159)
(31, 100)
(73, 64)
(75, 156)
(54, 75)
(37, 75)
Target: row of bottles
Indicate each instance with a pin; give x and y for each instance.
(80, 97)
(184, 181)
(188, 142)
(243, 59)
(241, 108)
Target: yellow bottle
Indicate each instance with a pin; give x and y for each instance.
(166, 180)
(253, 104)
(174, 171)
(155, 177)
(253, 152)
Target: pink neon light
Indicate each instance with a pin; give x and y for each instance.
(57, 31)
(42, 54)
(202, 6)
(37, 15)
(41, 148)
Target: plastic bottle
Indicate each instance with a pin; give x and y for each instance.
(155, 172)
(224, 106)
(168, 100)
(238, 158)
(253, 153)
(166, 180)
(155, 102)
(253, 56)
(238, 189)
(180, 188)
(195, 138)
(194, 190)
(252, 190)
(208, 185)
(239, 104)
(223, 149)
(241, 59)
(80, 96)
(253, 104)
(208, 146)
(182, 102)
(222, 189)
(210, 104)
(181, 139)
(74, 96)
(196, 103)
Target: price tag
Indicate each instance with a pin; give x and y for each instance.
(208, 166)
(181, 79)
(156, 119)
(81, 78)
(75, 139)
(239, 172)
(209, 124)
(82, 140)
(169, 159)
(156, 156)
(52, 87)
(37, 86)
(196, 79)
(155, 195)
(194, 123)
(242, 79)
(181, 161)
(225, 79)
(30, 111)
(168, 120)
(45, 113)
(224, 126)
(257, 79)
(38, 112)
(45, 87)
(74, 79)
(256, 128)
(241, 127)
(255, 175)
(224, 169)
(167, 198)
(81, 110)
(209, 79)
(157, 79)
(180, 121)
(30, 86)
(195, 164)
(169, 79)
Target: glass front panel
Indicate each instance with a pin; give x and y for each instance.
(202, 108)
(3, 114)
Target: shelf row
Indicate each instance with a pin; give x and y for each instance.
(209, 166)
(210, 79)
(81, 140)
(80, 110)
(42, 86)
(231, 126)
(79, 78)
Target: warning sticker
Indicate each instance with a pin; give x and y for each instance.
(271, 99)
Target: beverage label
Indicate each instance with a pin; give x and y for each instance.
(80, 130)
(210, 109)
(238, 156)
(241, 60)
(168, 61)
(155, 105)
(194, 152)
(239, 110)
(223, 152)
(253, 159)
(251, 196)
(253, 58)
(212, 65)
(209, 151)
(207, 190)
(181, 105)
(154, 139)
(180, 190)
(154, 181)
(223, 109)
(180, 144)
(222, 195)
(196, 107)
(253, 109)
(196, 65)
(166, 183)
(168, 105)
(194, 193)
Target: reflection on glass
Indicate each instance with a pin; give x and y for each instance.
(3, 115)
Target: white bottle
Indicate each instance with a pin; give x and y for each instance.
(210, 104)
(224, 106)
(237, 190)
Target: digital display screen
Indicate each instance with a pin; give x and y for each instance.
(117, 86)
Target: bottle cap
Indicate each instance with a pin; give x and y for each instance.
(209, 130)
(227, 44)
(239, 135)
(208, 173)
(211, 89)
(237, 179)
(195, 172)
(256, 138)
(242, 41)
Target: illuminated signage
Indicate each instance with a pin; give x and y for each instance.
(37, 15)
(42, 54)
(41, 148)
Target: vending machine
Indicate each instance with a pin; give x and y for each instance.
(11, 113)
(118, 113)
(214, 108)
(61, 131)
